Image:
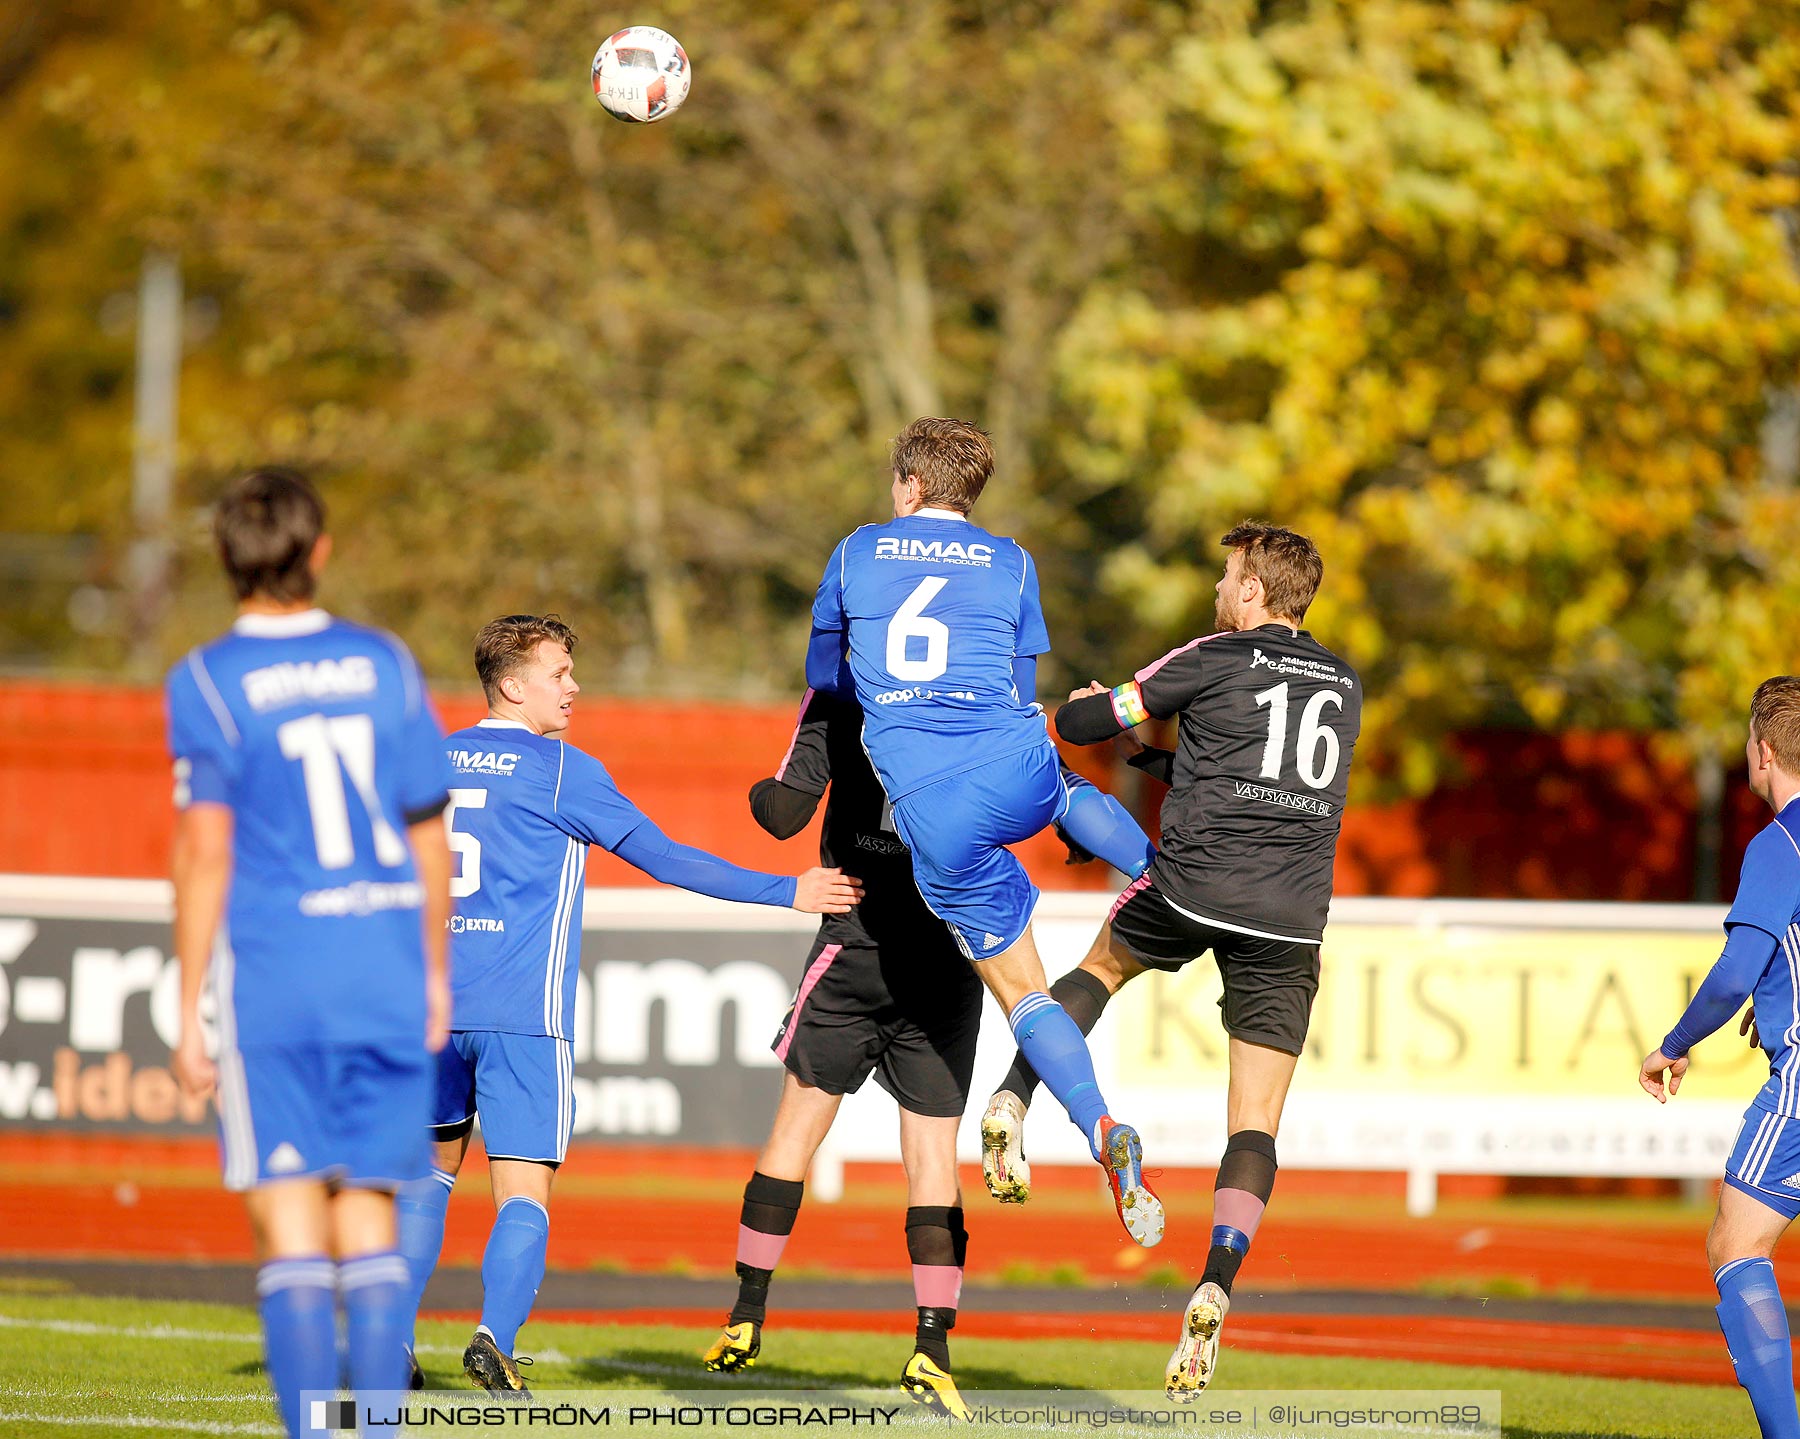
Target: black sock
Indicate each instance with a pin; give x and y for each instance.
(936, 1241)
(770, 1208)
(1222, 1265)
(932, 1337)
(1245, 1181)
(1083, 996)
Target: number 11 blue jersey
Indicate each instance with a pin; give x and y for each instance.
(318, 735)
(932, 612)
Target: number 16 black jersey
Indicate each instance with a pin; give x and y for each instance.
(1269, 718)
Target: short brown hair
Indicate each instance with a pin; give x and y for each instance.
(266, 525)
(1287, 564)
(507, 645)
(1775, 719)
(951, 458)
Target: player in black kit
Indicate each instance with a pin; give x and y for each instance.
(885, 991)
(1268, 720)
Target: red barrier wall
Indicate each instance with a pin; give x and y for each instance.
(84, 781)
(84, 789)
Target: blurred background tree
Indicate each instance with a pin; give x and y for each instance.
(1498, 301)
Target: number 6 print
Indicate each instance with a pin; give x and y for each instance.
(910, 621)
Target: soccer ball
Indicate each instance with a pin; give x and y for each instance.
(641, 74)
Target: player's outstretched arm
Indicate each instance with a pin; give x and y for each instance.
(200, 866)
(692, 869)
(431, 857)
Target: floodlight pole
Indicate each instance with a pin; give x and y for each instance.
(153, 451)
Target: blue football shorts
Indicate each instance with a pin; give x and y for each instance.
(348, 1114)
(1765, 1160)
(958, 830)
(522, 1086)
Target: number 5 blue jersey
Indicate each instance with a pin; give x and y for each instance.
(523, 810)
(318, 735)
(932, 612)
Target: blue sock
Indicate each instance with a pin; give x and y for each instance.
(513, 1268)
(1053, 1045)
(1102, 826)
(374, 1290)
(1756, 1332)
(419, 1211)
(297, 1299)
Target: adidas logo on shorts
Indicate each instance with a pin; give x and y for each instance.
(1791, 1182)
(988, 941)
(286, 1159)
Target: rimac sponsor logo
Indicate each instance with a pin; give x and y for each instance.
(276, 685)
(476, 924)
(1303, 802)
(948, 552)
(480, 761)
(363, 897)
(1304, 668)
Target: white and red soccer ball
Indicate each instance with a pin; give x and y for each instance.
(641, 74)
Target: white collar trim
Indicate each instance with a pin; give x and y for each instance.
(492, 723)
(274, 627)
(937, 512)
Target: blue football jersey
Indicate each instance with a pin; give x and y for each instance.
(1768, 898)
(524, 809)
(933, 611)
(318, 734)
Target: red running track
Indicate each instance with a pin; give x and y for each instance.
(641, 1232)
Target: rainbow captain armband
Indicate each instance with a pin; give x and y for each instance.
(1128, 704)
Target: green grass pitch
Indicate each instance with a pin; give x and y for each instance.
(73, 1366)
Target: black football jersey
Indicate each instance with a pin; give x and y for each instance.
(1268, 721)
(859, 835)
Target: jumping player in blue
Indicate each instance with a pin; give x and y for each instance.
(312, 878)
(1761, 960)
(935, 626)
(524, 807)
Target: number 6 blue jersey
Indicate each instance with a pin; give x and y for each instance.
(318, 736)
(931, 611)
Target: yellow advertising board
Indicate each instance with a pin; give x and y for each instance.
(1456, 1009)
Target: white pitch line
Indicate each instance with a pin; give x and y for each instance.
(139, 1421)
(159, 1331)
(155, 1396)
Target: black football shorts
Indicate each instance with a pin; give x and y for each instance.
(1270, 984)
(910, 1018)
